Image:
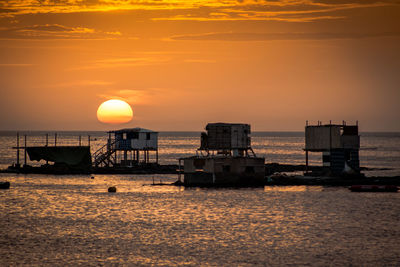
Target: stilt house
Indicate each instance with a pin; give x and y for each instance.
(339, 145)
(225, 158)
(128, 147)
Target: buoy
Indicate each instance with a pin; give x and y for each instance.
(4, 185)
(112, 189)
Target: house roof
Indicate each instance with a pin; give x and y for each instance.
(135, 130)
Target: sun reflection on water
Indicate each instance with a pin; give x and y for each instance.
(74, 220)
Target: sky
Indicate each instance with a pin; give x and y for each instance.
(183, 64)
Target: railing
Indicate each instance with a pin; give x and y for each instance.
(104, 152)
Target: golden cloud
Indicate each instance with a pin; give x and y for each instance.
(54, 31)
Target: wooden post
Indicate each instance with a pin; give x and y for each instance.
(47, 144)
(25, 150)
(80, 140)
(157, 156)
(179, 171)
(88, 140)
(306, 161)
(55, 139)
(18, 149)
(330, 138)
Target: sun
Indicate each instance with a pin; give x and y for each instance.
(114, 111)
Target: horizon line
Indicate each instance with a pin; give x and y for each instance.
(195, 131)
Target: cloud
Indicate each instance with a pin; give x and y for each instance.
(136, 96)
(199, 61)
(22, 7)
(82, 83)
(195, 10)
(54, 31)
(290, 11)
(306, 13)
(118, 62)
(16, 65)
(230, 36)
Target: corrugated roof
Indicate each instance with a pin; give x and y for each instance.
(130, 130)
(223, 124)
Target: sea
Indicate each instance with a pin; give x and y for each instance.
(71, 220)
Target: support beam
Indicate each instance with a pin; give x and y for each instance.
(157, 156)
(18, 149)
(179, 171)
(47, 144)
(25, 150)
(306, 161)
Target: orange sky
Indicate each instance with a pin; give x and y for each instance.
(182, 64)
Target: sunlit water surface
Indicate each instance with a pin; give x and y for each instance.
(73, 220)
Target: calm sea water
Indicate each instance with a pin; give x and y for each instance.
(48, 220)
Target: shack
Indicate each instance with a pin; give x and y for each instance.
(339, 145)
(127, 148)
(65, 159)
(224, 158)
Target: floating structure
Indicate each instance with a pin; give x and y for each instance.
(339, 145)
(126, 151)
(225, 158)
(124, 147)
(76, 159)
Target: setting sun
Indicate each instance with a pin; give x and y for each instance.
(114, 111)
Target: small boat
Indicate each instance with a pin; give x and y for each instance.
(374, 188)
(4, 185)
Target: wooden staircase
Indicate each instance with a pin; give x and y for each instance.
(105, 156)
